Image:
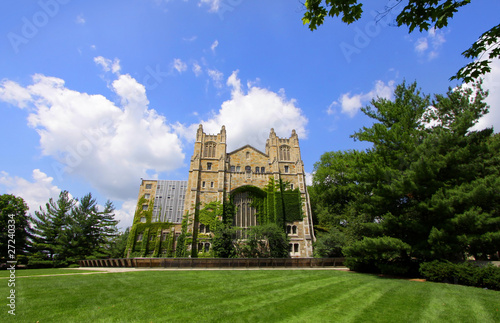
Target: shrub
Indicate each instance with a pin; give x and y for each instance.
(384, 255)
(463, 274)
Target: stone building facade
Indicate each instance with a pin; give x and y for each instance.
(215, 175)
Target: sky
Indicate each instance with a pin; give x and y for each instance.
(95, 95)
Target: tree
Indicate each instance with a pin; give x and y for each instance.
(264, 241)
(68, 230)
(51, 226)
(116, 248)
(14, 227)
(428, 181)
(421, 14)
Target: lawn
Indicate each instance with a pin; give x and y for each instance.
(245, 296)
(44, 271)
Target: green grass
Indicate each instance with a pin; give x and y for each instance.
(44, 271)
(245, 296)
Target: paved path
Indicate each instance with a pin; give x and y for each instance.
(128, 269)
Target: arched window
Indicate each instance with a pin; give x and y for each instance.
(284, 152)
(209, 150)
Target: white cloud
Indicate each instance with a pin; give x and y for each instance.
(179, 65)
(197, 69)
(214, 45)
(108, 65)
(250, 114)
(491, 82)
(430, 45)
(35, 193)
(80, 19)
(216, 77)
(14, 94)
(214, 4)
(109, 145)
(421, 45)
(126, 213)
(350, 104)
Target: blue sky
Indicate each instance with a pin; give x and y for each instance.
(95, 95)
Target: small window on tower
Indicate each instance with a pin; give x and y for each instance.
(203, 184)
(257, 169)
(286, 169)
(233, 169)
(238, 169)
(212, 184)
(209, 166)
(262, 170)
(149, 186)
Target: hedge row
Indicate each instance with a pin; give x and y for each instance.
(463, 274)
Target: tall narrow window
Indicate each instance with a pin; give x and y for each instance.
(286, 169)
(284, 152)
(209, 149)
(263, 170)
(209, 166)
(257, 170)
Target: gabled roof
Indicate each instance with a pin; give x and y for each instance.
(247, 146)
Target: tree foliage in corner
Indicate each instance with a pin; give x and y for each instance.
(416, 14)
(14, 227)
(429, 181)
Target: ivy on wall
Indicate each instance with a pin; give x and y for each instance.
(146, 246)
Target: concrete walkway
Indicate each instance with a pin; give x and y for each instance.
(131, 269)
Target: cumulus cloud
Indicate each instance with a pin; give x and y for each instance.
(179, 65)
(430, 45)
(214, 4)
(126, 214)
(491, 82)
(109, 145)
(35, 193)
(350, 104)
(108, 65)
(250, 114)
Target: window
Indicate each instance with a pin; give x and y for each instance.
(209, 150)
(143, 220)
(233, 169)
(257, 169)
(291, 186)
(144, 207)
(211, 184)
(238, 169)
(149, 186)
(248, 169)
(286, 169)
(151, 237)
(248, 155)
(295, 247)
(262, 170)
(294, 229)
(147, 196)
(284, 153)
(209, 166)
(139, 237)
(203, 184)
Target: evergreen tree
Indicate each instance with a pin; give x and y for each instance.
(51, 226)
(428, 181)
(14, 227)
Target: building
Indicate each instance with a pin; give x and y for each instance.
(215, 175)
